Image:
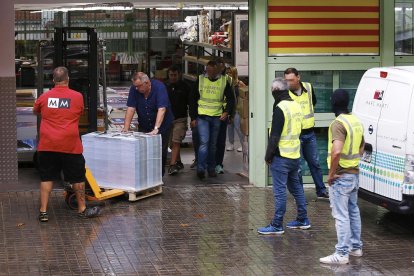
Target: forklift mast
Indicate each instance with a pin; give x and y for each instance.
(76, 48)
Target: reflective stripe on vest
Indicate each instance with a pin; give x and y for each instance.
(305, 102)
(289, 143)
(350, 152)
(211, 96)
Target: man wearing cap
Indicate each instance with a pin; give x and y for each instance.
(345, 144)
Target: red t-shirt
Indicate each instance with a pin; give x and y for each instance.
(60, 109)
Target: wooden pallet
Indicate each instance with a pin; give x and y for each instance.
(134, 196)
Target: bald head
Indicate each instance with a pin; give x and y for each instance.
(60, 75)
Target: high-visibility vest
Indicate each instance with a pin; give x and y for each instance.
(305, 102)
(211, 96)
(354, 132)
(289, 143)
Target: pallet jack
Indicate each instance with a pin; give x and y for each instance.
(74, 54)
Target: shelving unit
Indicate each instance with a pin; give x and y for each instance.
(199, 53)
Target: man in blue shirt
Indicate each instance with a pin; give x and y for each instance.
(149, 98)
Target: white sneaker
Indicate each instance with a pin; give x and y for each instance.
(334, 259)
(356, 252)
(239, 149)
(230, 148)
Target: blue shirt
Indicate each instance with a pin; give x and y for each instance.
(147, 108)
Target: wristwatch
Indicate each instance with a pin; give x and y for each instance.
(156, 128)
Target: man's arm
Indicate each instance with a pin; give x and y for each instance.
(193, 108)
(128, 118)
(158, 121)
(277, 127)
(313, 96)
(230, 99)
(336, 150)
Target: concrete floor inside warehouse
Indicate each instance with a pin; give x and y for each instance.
(193, 228)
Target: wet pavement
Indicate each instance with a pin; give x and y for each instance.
(192, 228)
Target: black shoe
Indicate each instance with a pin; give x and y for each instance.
(201, 175)
(212, 174)
(173, 170)
(325, 195)
(179, 165)
(90, 212)
(194, 163)
(43, 217)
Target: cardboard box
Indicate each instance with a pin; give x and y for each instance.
(161, 74)
(243, 108)
(244, 92)
(244, 126)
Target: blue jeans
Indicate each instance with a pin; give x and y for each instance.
(235, 126)
(309, 151)
(208, 130)
(285, 173)
(343, 196)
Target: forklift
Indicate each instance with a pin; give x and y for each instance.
(78, 49)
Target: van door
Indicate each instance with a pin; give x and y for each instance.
(392, 138)
(368, 111)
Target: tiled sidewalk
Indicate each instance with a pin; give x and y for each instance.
(193, 228)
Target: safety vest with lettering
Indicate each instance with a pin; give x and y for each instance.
(354, 132)
(289, 143)
(211, 96)
(305, 102)
(229, 80)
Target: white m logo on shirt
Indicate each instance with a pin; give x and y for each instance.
(58, 103)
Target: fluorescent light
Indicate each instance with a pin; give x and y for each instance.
(398, 9)
(192, 8)
(166, 9)
(244, 8)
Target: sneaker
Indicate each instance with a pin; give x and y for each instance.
(201, 175)
(179, 165)
(270, 229)
(230, 148)
(356, 252)
(325, 195)
(239, 149)
(173, 170)
(296, 224)
(334, 259)
(219, 169)
(194, 163)
(212, 174)
(43, 217)
(90, 212)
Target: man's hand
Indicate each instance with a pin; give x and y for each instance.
(268, 162)
(155, 131)
(193, 123)
(331, 178)
(224, 116)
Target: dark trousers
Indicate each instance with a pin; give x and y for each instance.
(165, 137)
(221, 142)
(196, 141)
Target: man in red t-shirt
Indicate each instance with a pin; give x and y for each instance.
(60, 147)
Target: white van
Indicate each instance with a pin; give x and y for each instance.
(384, 102)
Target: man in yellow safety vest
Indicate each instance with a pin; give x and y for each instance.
(211, 103)
(304, 94)
(283, 156)
(345, 144)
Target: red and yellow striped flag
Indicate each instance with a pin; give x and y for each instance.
(323, 27)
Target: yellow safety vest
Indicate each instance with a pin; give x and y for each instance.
(211, 96)
(289, 143)
(305, 102)
(354, 132)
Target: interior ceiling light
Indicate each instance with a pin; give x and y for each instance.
(121, 6)
(166, 9)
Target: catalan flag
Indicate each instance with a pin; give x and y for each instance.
(323, 27)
